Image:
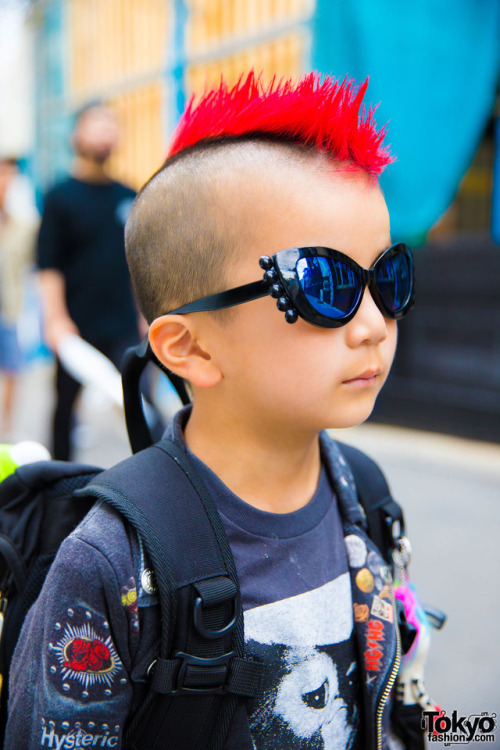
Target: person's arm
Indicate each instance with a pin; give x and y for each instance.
(56, 319)
(70, 675)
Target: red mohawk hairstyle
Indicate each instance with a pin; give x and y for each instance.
(323, 114)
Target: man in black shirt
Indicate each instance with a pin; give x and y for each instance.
(85, 283)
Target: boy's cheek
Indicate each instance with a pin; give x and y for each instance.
(392, 340)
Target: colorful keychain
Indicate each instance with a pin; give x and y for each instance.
(410, 685)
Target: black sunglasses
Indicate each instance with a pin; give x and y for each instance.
(323, 286)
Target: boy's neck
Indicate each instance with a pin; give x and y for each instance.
(278, 473)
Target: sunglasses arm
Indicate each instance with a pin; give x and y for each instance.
(229, 298)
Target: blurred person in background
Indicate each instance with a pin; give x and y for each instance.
(84, 279)
(17, 238)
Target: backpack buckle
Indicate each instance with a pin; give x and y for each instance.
(198, 675)
(211, 635)
(215, 592)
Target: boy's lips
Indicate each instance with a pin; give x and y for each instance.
(368, 377)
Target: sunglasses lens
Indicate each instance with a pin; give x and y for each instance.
(330, 286)
(394, 280)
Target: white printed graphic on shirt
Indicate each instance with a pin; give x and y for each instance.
(309, 700)
(67, 738)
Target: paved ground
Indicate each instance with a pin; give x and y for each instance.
(450, 489)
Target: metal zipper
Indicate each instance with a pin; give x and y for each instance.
(397, 660)
(392, 677)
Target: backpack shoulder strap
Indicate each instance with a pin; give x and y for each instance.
(201, 652)
(383, 514)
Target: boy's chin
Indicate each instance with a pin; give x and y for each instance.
(353, 418)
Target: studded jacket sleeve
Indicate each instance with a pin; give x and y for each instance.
(70, 681)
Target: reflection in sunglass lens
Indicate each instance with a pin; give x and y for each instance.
(330, 286)
(394, 282)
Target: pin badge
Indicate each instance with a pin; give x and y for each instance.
(148, 581)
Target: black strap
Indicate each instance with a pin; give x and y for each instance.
(241, 676)
(134, 363)
(383, 514)
(200, 670)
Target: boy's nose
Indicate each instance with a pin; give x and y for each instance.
(369, 325)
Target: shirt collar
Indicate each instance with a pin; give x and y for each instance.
(337, 467)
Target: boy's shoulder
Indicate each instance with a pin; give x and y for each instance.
(108, 538)
(104, 528)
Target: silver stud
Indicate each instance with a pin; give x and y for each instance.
(148, 581)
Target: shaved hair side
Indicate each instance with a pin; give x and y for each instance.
(175, 242)
(191, 220)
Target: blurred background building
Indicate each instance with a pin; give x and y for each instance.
(145, 57)
(434, 69)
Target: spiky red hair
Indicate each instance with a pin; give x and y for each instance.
(324, 114)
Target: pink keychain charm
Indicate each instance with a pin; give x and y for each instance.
(410, 688)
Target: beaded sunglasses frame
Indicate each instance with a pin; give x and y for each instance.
(281, 281)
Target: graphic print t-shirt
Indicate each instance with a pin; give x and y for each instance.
(298, 621)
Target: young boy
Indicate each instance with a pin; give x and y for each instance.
(288, 172)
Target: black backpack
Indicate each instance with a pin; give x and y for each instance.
(201, 671)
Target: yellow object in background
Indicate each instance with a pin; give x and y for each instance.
(25, 452)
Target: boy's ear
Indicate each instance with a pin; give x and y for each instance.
(174, 340)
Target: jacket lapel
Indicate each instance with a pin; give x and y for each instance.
(372, 598)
